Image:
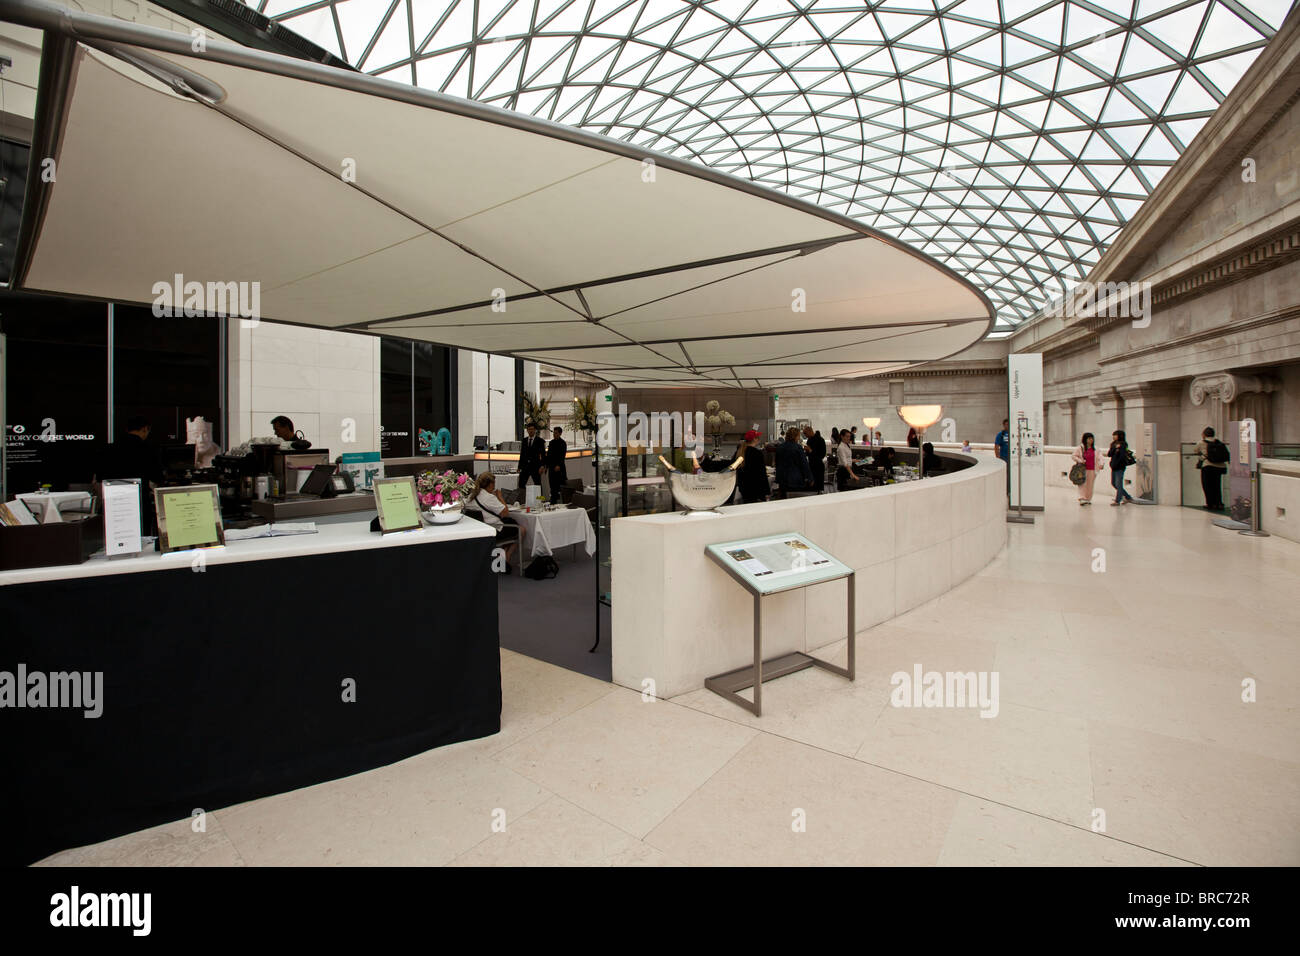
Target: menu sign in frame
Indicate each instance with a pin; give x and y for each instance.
(397, 504)
(777, 562)
(189, 516)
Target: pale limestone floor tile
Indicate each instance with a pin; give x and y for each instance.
(1213, 806)
(1098, 637)
(627, 761)
(1026, 758)
(423, 811)
(812, 706)
(989, 834)
(852, 814)
(1177, 699)
(171, 844)
(557, 833)
(535, 694)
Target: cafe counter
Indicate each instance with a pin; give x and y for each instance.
(236, 672)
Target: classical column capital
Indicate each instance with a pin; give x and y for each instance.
(1066, 405)
(1103, 396)
(1226, 386)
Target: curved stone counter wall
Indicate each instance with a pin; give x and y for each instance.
(678, 618)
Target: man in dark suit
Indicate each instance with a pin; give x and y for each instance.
(134, 456)
(556, 467)
(792, 471)
(816, 457)
(532, 457)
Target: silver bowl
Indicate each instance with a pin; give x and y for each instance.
(703, 492)
(443, 514)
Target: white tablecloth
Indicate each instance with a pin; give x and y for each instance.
(545, 531)
(51, 502)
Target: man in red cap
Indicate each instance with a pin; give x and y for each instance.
(754, 486)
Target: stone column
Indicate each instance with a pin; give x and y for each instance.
(1064, 433)
(1159, 403)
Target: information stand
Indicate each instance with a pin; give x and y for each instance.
(771, 565)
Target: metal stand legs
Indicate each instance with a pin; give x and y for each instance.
(730, 684)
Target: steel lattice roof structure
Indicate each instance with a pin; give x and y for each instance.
(1008, 139)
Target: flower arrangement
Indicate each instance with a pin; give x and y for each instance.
(717, 418)
(536, 413)
(440, 490)
(584, 415)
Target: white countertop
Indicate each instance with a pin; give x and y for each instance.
(334, 533)
(1280, 466)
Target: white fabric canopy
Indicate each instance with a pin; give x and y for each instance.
(361, 204)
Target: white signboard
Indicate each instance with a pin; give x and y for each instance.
(1025, 400)
(122, 517)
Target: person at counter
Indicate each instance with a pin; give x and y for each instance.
(792, 470)
(754, 486)
(845, 476)
(283, 426)
(816, 457)
(556, 464)
(532, 458)
(134, 456)
(931, 464)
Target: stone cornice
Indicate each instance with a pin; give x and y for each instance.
(981, 367)
(1218, 332)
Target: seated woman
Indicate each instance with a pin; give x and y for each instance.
(886, 459)
(496, 513)
(931, 463)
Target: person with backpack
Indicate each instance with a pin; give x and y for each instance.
(1212, 459)
(1121, 456)
(1086, 455)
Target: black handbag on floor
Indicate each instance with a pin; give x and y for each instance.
(542, 567)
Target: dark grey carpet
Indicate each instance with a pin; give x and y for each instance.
(556, 620)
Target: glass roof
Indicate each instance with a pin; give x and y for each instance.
(1008, 139)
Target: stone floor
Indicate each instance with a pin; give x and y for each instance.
(1120, 709)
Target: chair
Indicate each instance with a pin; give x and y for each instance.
(570, 488)
(587, 503)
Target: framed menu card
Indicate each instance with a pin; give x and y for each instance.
(189, 516)
(397, 505)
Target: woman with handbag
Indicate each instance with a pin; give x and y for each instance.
(1086, 465)
(1121, 456)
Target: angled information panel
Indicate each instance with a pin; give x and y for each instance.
(777, 562)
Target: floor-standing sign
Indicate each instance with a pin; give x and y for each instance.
(1145, 475)
(1025, 399)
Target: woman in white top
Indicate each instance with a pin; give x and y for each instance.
(844, 461)
(496, 513)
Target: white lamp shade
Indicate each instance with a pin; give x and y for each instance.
(920, 417)
(871, 422)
